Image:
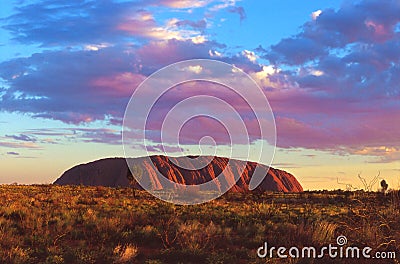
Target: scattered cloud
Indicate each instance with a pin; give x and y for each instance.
(80, 23)
(250, 55)
(340, 85)
(147, 27)
(316, 14)
(380, 154)
(334, 86)
(78, 134)
(99, 135)
(95, 47)
(214, 53)
(195, 69)
(230, 6)
(285, 165)
(164, 148)
(26, 145)
(238, 10)
(22, 137)
(185, 3)
(222, 5)
(67, 22)
(99, 88)
(199, 25)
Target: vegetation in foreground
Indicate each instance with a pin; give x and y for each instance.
(76, 224)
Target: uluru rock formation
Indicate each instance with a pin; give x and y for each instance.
(113, 172)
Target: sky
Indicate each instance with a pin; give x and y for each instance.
(330, 70)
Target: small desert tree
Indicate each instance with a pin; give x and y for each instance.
(384, 186)
(133, 180)
(369, 186)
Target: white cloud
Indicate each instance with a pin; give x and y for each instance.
(171, 22)
(195, 69)
(96, 47)
(316, 14)
(250, 55)
(198, 39)
(146, 26)
(187, 3)
(317, 73)
(145, 16)
(214, 53)
(263, 77)
(224, 4)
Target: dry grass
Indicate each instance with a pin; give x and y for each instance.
(75, 224)
(126, 253)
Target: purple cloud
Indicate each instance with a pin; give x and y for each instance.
(294, 51)
(333, 86)
(369, 22)
(89, 23)
(67, 22)
(101, 135)
(92, 77)
(22, 137)
(238, 10)
(345, 91)
(84, 86)
(67, 86)
(27, 145)
(78, 134)
(199, 24)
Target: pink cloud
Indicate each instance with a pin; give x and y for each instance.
(154, 54)
(303, 122)
(343, 92)
(206, 125)
(27, 145)
(340, 92)
(118, 85)
(185, 3)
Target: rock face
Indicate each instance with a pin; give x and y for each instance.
(114, 172)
